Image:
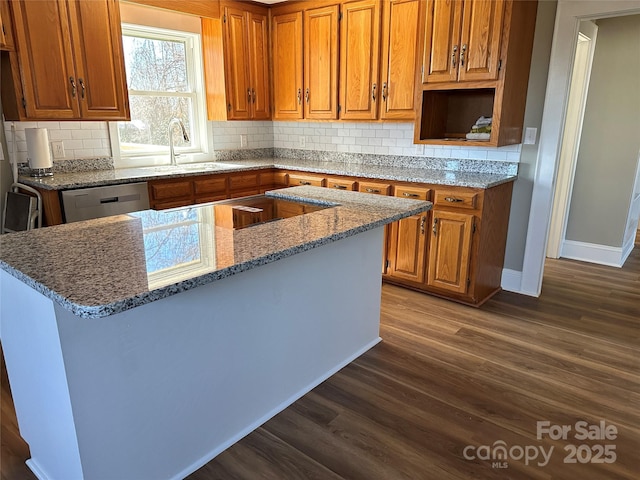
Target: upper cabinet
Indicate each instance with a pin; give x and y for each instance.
(6, 34)
(70, 59)
(321, 62)
(399, 53)
(462, 40)
(475, 63)
(246, 63)
(359, 60)
(287, 58)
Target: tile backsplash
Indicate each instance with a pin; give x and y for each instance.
(91, 139)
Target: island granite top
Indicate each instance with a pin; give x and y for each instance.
(101, 267)
(95, 178)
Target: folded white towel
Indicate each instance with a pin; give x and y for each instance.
(483, 121)
(478, 136)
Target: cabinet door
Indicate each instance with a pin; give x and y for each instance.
(259, 66)
(99, 60)
(359, 58)
(49, 82)
(237, 65)
(321, 62)
(6, 34)
(480, 39)
(442, 41)
(286, 44)
(408, 248)
(450, 251)
(399, 51)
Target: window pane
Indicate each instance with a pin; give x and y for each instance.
(155, 65)
(148, 129)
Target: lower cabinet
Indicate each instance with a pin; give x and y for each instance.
(450, 251)
(408, 240)
(457, 250)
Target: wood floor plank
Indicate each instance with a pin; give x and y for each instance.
(448, 377)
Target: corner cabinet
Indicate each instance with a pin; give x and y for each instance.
(70, 59)
(6, 33)
(476, 62)
(246, 60)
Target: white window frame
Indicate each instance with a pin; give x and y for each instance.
(202, 148)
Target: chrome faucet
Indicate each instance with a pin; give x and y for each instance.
(185, 137)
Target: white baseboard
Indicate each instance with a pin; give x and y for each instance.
(511, 280)
(627, 249)
(593, 253)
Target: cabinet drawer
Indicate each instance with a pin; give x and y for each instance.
(244, 182)
(210, 185)
(415, 193)
(171, 190)
(342, 184)
(375, 188)
(295, 180)
(281, 179)
(455, 199)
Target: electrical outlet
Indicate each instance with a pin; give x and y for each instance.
(244, 141)
(303, 141)
(58, 149)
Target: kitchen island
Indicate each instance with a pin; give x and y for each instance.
(140, 346)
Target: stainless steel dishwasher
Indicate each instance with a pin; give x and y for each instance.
(97, 202)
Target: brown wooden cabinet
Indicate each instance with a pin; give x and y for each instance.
(246, 63)
(296, 179)
(6, 32)
(400, 24)
(359, 60)
(287, 58)
(321, 63)
(463, 40)
(476, 62)
(71, 61)
(408, 240)
(450, 251)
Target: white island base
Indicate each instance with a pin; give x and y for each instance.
(157, 391)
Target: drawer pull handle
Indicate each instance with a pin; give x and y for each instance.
(422, 224)
(435, 226)
(411, 195)
(373, 190)
(73, 86)
(304, 182)
(340, 187)
(453, 199)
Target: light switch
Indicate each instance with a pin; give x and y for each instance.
(530, 135)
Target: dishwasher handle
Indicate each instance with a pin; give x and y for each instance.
(109, 200)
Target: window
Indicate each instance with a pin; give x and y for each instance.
(164, 78)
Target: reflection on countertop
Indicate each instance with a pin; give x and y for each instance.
(100, 267)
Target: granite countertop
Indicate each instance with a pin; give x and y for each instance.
(95, 178)
(85, 267)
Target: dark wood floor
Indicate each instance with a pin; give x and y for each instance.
(448, 376)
